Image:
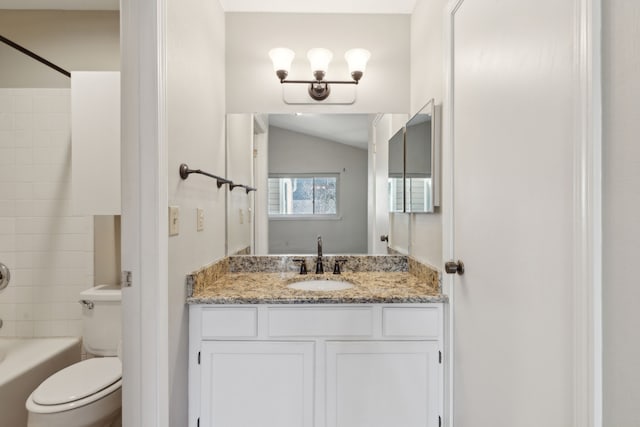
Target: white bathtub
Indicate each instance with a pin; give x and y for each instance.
(24, 364)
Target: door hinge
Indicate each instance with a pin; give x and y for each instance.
(126, 279)
(439, 421)
(198, 358)
(439, 357)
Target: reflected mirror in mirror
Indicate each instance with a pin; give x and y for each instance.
(420, 161)
(396, 172)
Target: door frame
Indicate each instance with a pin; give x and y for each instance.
(587, 211)
(145, 333)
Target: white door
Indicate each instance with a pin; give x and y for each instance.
(257, 383)
(512, 98)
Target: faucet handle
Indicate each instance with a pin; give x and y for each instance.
(303, 265)
(336, 266)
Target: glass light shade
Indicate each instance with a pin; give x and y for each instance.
(319, 59)
(281, 58)
(357, 59)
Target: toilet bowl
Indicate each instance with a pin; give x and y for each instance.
(87, 393)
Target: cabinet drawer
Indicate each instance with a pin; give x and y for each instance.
(230, 322)
(324, 322)
(411, 322)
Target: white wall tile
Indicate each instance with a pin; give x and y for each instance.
(24, 329)
(51, 121)
(7, 243)
(7, 156)
(7, 226)
(22, 103)
(7, 208)
(59, 155)
(5, 101)
(21, 278)
(23, 138)
(8, 329)
(49, 249)
(23, 191)
(24, 156)
(43, 103)
(52, 225)
(23, 121)
(7, 191)
(6, 121)
(7, 139)
(9, 173)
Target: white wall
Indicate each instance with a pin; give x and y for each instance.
(48, 249)
(240, 171)
(621, 202)
(252, 85)
(195, 37)
(292, 152)
(426, 82)
(73, 40)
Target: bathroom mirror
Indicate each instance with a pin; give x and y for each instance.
(314, 174)
(396, 172)
(420, 161)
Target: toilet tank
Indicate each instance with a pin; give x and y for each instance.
(101, 319)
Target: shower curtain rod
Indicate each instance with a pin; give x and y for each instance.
(34, 56)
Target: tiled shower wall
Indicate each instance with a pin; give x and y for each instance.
(48, 249)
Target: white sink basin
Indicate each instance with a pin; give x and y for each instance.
(321, 285)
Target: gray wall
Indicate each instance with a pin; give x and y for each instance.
(73, 40)
(621, 202)
(291, 152)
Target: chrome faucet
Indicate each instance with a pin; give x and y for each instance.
(319, 268)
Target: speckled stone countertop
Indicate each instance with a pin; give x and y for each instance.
(252, 280)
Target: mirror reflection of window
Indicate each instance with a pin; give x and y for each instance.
(303, 195)
(396, 172)
(419, 161)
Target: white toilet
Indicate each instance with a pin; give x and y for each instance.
(87, 393)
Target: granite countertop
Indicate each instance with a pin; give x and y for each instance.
(271, 288)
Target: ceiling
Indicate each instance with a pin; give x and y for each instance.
(61, 4)
(325, 6)
(292, 6)
(350, 129)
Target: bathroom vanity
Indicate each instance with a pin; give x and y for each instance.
(263, 354)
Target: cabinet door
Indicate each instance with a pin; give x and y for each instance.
(253, 383)
(382, 384)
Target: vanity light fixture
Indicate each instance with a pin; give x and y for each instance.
(319, 59)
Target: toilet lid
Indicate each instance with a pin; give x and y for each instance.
(78, 381)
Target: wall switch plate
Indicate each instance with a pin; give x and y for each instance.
(174, 220)
(199, 219)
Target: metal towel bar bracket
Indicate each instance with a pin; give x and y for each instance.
(185, 172)
(246, 187)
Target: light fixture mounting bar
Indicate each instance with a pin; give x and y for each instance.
(332, 82)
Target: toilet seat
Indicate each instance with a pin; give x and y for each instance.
(77, 385)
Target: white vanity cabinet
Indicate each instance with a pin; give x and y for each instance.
(316, 365)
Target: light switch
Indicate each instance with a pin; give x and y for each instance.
(200, 219)
(174, 220)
